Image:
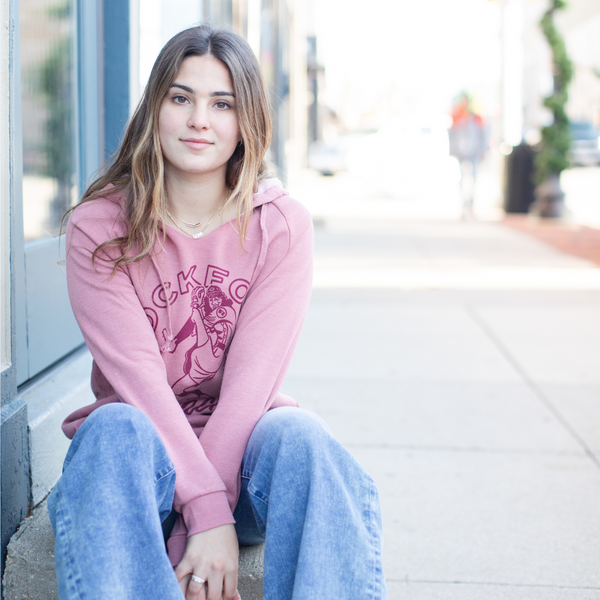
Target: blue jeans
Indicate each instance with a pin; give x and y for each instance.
(302, 494)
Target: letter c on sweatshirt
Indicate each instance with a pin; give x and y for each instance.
(158, 295)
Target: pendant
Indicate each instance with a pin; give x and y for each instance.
(196, 235)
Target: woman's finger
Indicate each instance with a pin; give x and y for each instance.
(196, 589)
(214, 586)
(183, 569)
(183, 583)
(230, 591)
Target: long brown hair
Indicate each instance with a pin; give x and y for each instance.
(137, 168)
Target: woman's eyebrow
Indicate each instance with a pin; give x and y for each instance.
(189, 90)
(185, 88)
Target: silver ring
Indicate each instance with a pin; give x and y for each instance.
(198, 579)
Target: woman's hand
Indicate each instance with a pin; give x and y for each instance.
(213, 556)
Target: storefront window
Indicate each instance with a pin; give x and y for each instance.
(48, 75)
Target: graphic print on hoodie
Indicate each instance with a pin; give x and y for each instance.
(201, 342)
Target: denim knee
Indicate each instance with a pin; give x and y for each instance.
(297, 422)
(300, 419)
(118, 418)
(116, 414)
(299, 430)
(116, 428)
(306, 439)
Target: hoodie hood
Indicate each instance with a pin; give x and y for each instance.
(268, 190)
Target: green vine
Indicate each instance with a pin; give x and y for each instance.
(556, 138)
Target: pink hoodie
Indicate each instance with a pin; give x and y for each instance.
(199, 337)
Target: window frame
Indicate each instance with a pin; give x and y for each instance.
(46, 330)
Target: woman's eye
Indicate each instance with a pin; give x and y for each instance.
(222, 104)
(179, 99)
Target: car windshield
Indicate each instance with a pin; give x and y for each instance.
(583, 131)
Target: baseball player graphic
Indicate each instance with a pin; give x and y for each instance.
(211, 322)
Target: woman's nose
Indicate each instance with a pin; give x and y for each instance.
(199, 118)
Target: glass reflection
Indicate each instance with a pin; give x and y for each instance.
(48, 106)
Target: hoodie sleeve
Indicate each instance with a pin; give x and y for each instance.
(266, 335)
(123, 344)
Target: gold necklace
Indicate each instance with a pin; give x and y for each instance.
(200, 233)
(190, 225)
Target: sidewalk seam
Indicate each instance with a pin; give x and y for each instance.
(471, 311)
(469, 449)
(495, 583)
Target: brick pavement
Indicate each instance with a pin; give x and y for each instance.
(575, 239)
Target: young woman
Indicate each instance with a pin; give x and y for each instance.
(189, 272)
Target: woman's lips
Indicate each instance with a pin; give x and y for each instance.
(198, 144)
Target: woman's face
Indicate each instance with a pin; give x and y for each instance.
(197, 123)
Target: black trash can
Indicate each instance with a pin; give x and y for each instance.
(518, 180)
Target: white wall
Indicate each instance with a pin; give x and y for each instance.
(583, 45)
(159, 21)
(5, 332)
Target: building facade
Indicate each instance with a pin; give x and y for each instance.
(72, 72)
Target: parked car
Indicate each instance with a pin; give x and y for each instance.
(585, 144)
(328, 159)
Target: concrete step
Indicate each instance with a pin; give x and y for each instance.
(29, 572)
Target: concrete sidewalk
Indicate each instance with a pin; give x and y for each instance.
(459, 363)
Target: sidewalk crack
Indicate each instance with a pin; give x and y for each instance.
(530, 383)
(408, 581)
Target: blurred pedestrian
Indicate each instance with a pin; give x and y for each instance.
(468, 143)
(189, 271)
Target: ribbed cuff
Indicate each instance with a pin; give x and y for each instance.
(207, 512)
